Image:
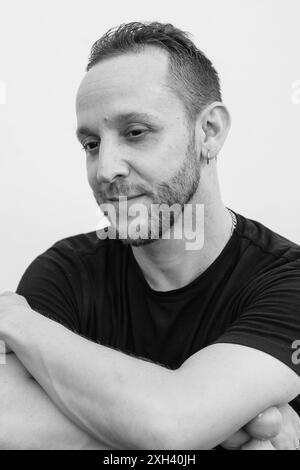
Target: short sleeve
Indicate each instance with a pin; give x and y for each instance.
(52, 285)
(270, 320)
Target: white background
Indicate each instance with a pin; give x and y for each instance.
(44, 46)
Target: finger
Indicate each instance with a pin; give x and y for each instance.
(11, 298)
(236, 440)
(283, 442)
(266, 425)
(290, 416)
(256, 444)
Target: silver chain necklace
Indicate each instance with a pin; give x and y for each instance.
(234, 221)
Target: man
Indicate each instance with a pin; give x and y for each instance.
(194, 343)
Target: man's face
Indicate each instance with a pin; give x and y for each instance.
(135, 132)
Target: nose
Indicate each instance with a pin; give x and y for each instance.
(111, 165)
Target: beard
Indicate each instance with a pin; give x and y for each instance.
(178, 190)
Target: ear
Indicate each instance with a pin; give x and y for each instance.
(213, 125)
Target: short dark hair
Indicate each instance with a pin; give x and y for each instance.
(192, 75)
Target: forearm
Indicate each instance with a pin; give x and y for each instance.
(119, 399)
(29, 419)
(130, 403)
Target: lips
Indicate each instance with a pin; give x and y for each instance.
(127, 197)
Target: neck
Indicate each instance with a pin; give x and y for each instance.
(167, 264)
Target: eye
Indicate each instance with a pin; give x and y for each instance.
(90, 146)
(136, 133)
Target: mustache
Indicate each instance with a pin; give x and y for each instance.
(114, 190)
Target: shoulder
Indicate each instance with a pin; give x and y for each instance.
(74, 260)
(265, 246)
(266, 269)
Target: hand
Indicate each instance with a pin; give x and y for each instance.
(278, 428)
(289, 436)
(8, 302)
(10, 299)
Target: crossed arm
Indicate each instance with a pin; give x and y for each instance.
(126, 402)
(30, 420)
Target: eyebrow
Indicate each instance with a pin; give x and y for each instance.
(121, 119)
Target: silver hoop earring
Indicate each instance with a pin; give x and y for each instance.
(207, 157)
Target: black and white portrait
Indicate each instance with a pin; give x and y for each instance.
(150, 236)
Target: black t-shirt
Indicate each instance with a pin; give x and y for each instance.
(250, 295)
